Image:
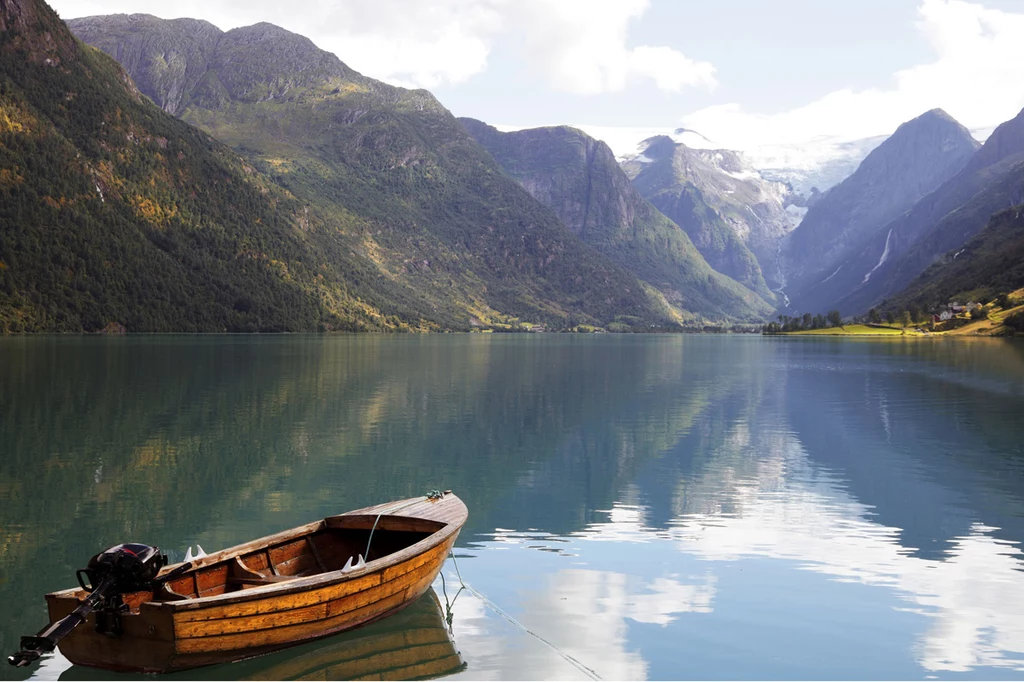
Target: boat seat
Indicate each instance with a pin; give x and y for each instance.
(240, 574)
(261, 580)
(166, 593)
(243, 576)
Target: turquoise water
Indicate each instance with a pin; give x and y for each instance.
(640, 506)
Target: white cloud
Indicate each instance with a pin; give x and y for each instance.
(976, 77)
(578, 46)
(415, 44)
(671, 70)
(582, 46)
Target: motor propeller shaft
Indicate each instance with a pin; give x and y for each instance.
(130, 567)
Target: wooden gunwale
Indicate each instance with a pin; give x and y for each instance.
(333, 591)
(351, 615)
(307, 583)
(304, 584)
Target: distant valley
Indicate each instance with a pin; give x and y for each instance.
(578, 177)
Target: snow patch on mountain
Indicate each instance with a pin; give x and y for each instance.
(820, 162)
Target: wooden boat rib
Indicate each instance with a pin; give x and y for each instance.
(276, 591)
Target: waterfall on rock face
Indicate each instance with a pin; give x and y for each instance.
(881, 261)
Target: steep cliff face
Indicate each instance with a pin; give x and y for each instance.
(569, 171)
(35, 32)
(734, 217)
(821, 257)
(419, 196)
(990, 182)
(989, 263)
(579, 178)
(167, 59)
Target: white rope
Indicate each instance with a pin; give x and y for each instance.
(429, 496)
(589, 672)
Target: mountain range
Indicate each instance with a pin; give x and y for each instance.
(404, 219)
(897, 211)
(735, 217)
(922, 194)
(990, 182)
(248, 181)
(826, 256)
(579, 178)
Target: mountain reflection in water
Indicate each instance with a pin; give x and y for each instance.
(652, 506)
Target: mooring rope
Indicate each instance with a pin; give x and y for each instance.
(589, 672)
(432, 495)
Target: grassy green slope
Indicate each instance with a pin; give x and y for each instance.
(424, 201)
(579, 178)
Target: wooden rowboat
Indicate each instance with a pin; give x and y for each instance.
(274, 592)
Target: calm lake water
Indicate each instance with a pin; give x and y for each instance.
(640, 506)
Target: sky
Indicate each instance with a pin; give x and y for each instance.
(740, 72)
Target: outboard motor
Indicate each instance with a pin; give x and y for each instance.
(131, 567)
(111, 573)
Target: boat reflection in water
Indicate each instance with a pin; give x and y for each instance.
(413, 644)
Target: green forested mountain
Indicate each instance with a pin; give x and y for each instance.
(579, 178)
(390, 168)
(112, 212)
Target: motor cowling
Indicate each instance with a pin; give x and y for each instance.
(130, 567)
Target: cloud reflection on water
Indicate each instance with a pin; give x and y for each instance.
(789, 510)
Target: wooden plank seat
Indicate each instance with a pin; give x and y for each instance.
(241, 574)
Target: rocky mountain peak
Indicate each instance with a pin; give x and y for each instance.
(733, 215)
(36, 29)
(579, 178)
(179, 62)
(1005, 141)
(273, 41)
(937, 114)
(264, 61)
(658, 147)
(917, 158)
(916, 152)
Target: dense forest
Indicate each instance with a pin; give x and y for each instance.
(116, 215)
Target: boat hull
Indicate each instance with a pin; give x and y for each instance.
(413, 644)
(163, 636)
